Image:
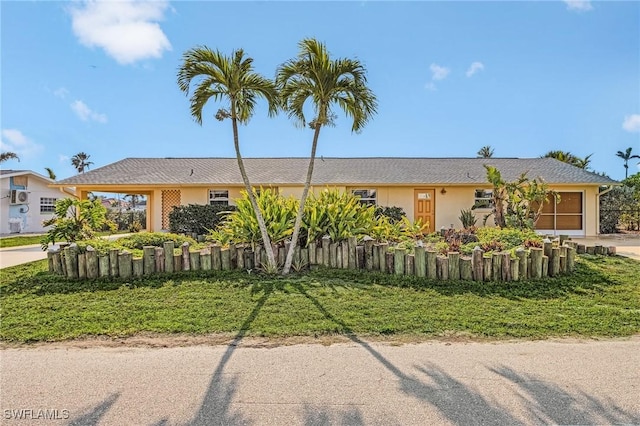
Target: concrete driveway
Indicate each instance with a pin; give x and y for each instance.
(355, 383)
(627, 245)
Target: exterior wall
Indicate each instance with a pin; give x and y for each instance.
(27, 215)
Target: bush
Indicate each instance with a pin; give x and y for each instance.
(508, 238)
(393, 213)
(157, 239)
(198, 219)
(614, 205)
(126, 220)
(74, 220)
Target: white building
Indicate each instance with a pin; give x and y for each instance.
(26, 201)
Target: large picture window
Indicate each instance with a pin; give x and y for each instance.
(483, 199)
(367, 196)
(47, 205)
(219, 197)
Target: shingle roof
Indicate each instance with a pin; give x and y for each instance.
(329, 171)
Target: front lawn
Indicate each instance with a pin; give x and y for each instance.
(22, 240)
(602, 298)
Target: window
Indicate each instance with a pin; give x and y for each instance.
(483, 199)
(47, 205)
(367, 196)
(218, 197)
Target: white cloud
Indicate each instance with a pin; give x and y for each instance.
(14, 141)
(63, 158)
(631, 123)
(438, 72)
(61, 93)
(431, 86)
(474, 68)
(127, 30)
(578, 5)
(85, 113)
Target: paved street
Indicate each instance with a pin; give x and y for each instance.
(557, 382)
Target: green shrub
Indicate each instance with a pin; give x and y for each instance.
(467, 218)
(198, 219)
(393, 213)
(74, 220)
(157, 239)
(509, 237)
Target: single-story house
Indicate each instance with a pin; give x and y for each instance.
(433, 189)
(27, 200)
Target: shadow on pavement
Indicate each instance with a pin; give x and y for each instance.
(93, 416)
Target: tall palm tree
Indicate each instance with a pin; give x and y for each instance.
(81, 161)
(313, 76)
(8, 155)
(50, 173)
(626, 156)
(485, 152)
(569, 158)
(231, 80)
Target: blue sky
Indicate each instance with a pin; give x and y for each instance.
(450, 77)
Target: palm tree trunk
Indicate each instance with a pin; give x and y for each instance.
(271, 260)
(303, 199)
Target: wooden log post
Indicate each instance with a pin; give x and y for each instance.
(137, 267)
(312, 253)
(545, 266)
(205, 261)
(571, 259)
(360, 256)
(159, 259)
(233, 259)
(409, 264)
(333, 255)
(376, 256)
(148, 253)
(71, 260)
(496, 266)
(57, 262)
(319, 256)
(297, 256)
(103, 266)
(93, 271)
(398, 261)
(477, 263)
(611, 250)
(466, 268)
(454, 265)
(352, 244)
(82, 266)
(240, 257)
(282, 255)
(186, 261)
(125, 265)
(528, 267)
(563, 259)
(432, 264)
(420, 260)
(536, 262)
(304, 258)
(194, 260)
(339, 257)
(113, 262)
(50, 260)
(63, 259)
(326, 251)
(249, 258)
(344, 252)
(168, 247)
(225, 259)
(383, 249)
(555, 262)
(442, 268)
(216, 257)
(521, 255)
(581, 249)
(506, 267)
(591, 250)
(515, 269)
(177, 262)
(389, 262)
(368, 253)
(547, 245)
(598, 249)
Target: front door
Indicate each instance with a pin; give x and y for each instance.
(424, 201)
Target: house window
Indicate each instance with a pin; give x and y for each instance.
(218, 197)
(367, 196)
(483, 199)
(47, 205)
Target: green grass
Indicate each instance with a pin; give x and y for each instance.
(601, 299)
(23, 240)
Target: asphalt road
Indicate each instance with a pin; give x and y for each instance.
(544, 382)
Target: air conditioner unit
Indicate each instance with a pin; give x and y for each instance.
(19, 197)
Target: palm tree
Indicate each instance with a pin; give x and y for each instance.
(313, 76)
(626, 156)
(8, 155)
(569, 158)
(81, 161)
(485, 152)
(51, 173)
(229, 79)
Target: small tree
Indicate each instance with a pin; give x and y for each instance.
(74, 220)
(485, 152)
(626, 156)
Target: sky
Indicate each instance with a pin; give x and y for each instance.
(450, 77)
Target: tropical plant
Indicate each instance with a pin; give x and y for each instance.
(569, 158)
(313, 77)
(485, 152)
(8, 155)
(81, 161)
(50, 173)
(74, 220)
(626, 156)
(393, 213)
(232, 80)
(467, 218)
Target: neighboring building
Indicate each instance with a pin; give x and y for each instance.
(434, 189)
(27, 200)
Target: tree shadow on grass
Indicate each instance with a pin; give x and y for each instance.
(216, 404)
(549, 403)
